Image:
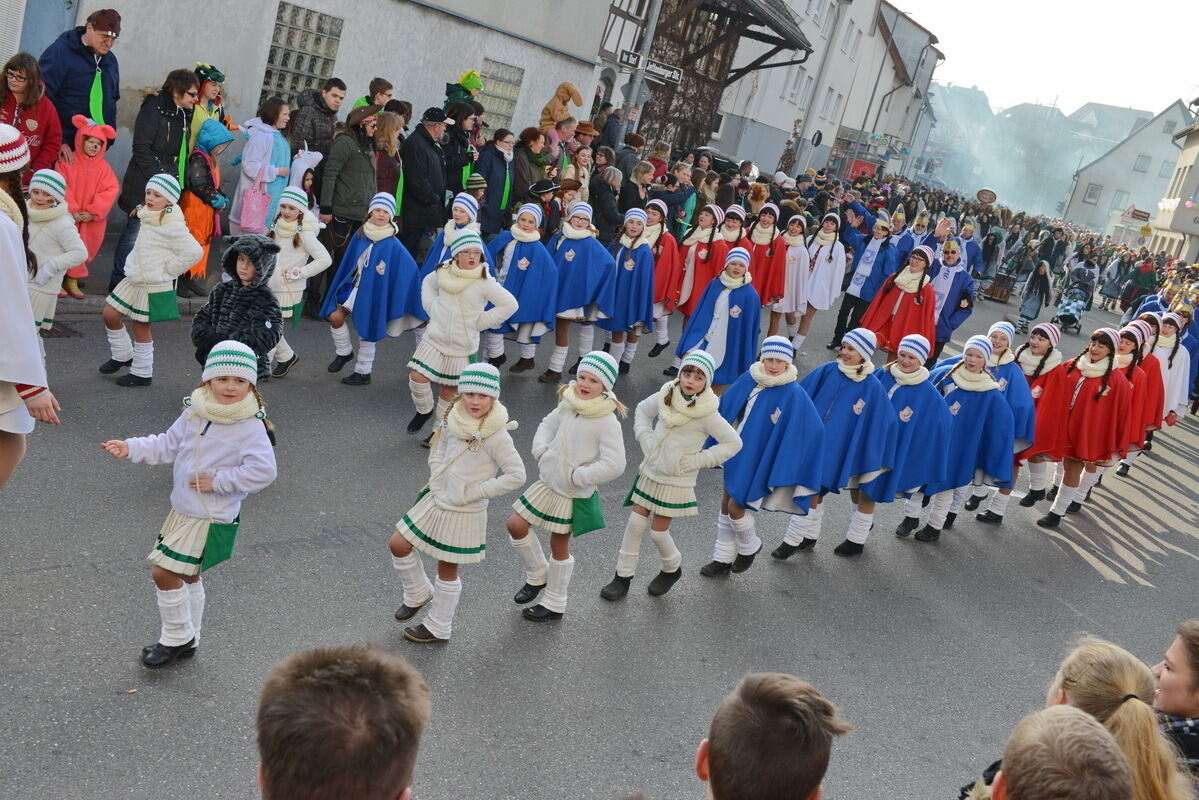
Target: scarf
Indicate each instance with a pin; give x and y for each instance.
(794, 241)
(768, 381)
(521, 236)
(452, 230)
(205, 406)
(1089, 368)
(857, 373)
(285, 230)
(1006, 357)
(908, 378)
(377, 233)
(943, 282)
(451, 278)
(763, 236)
(631, 244)
(1123, 360)
(732, 283)
(696, 236)
(571, 232)
(1165, 341)
(680, 411)
(569, 402)
(1029, 362)
(461, 425)
(653, 233)
(47, 214)
(165, 217)
(974, 381)
(507, 154)
(825, 239)
(908, 280)
(9, 208)
(731, 236)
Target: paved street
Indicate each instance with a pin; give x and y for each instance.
(933, 651)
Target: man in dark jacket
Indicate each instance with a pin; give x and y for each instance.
(610, 134)
(74, 63)
(630, 154)
(313, 122)
(424, 181)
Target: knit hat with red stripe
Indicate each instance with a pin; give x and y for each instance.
(14, 153)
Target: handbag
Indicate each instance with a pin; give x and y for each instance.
(586, 514)
(163, 306)
(218, 546)
(255, 202)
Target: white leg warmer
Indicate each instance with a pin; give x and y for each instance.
(495, 344)
(748, 542)
(616, 350)
(558, 358)
(662, 329)
(1065, 496)
(557, 583)
(914, 505)
(143, 360)
(440, 619)
(341, 340)
(422, 395)
(366, 357)
(586, 339)
(175, 610)
(940, 508)
(120, 345)
(1038, 475)
(1059, 473)
(195, 600)
(959, 498)
(283, 351)
(630, 352)
(1128, 459)
(726, 547)
(528, 350)
(803, 527)
(998, 504)
(1086, 483)
(532, 558)
(859, 527)
(672, 559)
(979, 490)
(630, 545)
(797, 342)
(417, 589)
(677, 363)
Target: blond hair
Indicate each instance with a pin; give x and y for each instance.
(1189, 633)
(1112, 685)
(387, 134)
(1064, 753)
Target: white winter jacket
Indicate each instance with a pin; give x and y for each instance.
(310, 258)
(163, 250)
(674, 455)
(238, 457)
(455, 320)
(58, 248)
(576, 454)
(461, 480)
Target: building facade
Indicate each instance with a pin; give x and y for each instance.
(1176, 229)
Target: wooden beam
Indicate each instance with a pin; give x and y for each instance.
(731, 33)
(678, 16)
(760, 63)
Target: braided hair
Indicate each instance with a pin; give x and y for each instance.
(1177, 344)
(1135, 361)
(1154, 323)
(1040, 364)
(1107, 373)
(10, 184)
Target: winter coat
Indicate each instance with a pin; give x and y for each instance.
(163, 251)
(632, 195)
(498, 172)
(349, 182)
(457, 151)
(525, 173)
(202, 197)
(263, 156)
(610, 135)
(245, 313)
(424, 181)
(576, 454)
(68, 70)
(455, 320)
(40, 127)
(674, 456)
(58, 248)
(557, 109)
(312, 126)
(468, 480)
(201, 113)
(159, 134)
(607, 215)
(310, 258)
(626, 159)
(91, 186)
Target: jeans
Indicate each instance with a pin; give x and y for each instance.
(124, 248)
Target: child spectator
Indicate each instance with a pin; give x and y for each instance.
(92, 189)
(203, 199)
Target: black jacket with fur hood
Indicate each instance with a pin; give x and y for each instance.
(247, 314)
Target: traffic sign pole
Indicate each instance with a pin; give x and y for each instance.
(647, 42)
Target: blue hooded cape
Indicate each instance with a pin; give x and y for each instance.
(388, 300)
(633, 299)
(532, 279)
(745, 321)
(922, 443)
(859, 429)
(981, 436)
(438, 254)
(1014, 387)
(586, 274)
(778, 466)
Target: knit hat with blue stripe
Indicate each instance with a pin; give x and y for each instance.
(737, 254)
(636, 213)
(915, 344)
(385, 201)
(466, 240)
(1007, 329)
(602, 366)
(294, 196)
(863, 340)
(468, 204)
(980, 343)
(701, 361)
(581, 210)
(230, 358)
(778, 347)
(481, 378)
(50, 182)
(532, 209)
(165, 185)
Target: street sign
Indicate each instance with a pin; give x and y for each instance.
(1146, 230)
(653, 69)
(630, 59)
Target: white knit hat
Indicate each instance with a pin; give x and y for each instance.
(701, 361)
(779, 347)
(467, 240)
(294, 196)
(481, 378)
(50, 182)
(165, 185)
(915, 344)
(863, 340)
(468, 204)
(1006, 328)
(230, 358)
(602, 366)
(385, 201)
(14, 152)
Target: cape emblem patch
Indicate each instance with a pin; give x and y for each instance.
(1002, 384)
(1036, 391)
(955, 408)
(906, 414)
(735, 312)
(774, 418)
(629, 264)
(380, 268)
(523, 263)
(570, 255)
(703, 255)
(859, 406)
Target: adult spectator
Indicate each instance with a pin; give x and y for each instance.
(1064, 754)
(314, 122)
(558, 140)
(585, 134)
(350, 179)
(378, 93)
(265, 162)
(389, 167)
(529, 164)
(81, 73)
(160, 135)
(601, 119)
(659, 155)
(605, 157)
(341, 722)
(610, 134)
(635, 191)
(460, 155)
(746, 170)
(606, 214)
(24, 105)
(630, 154)
(1177, 697)
(775, 733)
(424, 180)
(209, 106)
(495, 167)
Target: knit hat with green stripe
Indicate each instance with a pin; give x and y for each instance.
(165, 185)
(701, 361)
(480, 378)
(602, 366)
(50, 182)
(466, 240)
(230, 358)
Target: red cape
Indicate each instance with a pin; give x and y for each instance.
(1155, 393)
(769, 268)
(1136, 408)
(1095, 430)
(709, 261)
(891, 323)
(668, 271)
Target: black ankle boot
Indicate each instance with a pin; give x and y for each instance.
(133, 380)
(617, 588)
(421, 635)
(906, 527)
(990, 517)
(357, 379)
(112, 365)
(973, 502)
(848, 548)
(714, 568)
(1033, 497)
(927, 534)
(527, 594)
(1050, 520)
(1122, 470)
(784, 551)
(160, 655)
(657, 349)
(418, 421)
(663, 582)
(523, 365)
(742, 563)
(949, 520)
(340, 361)
(540, 613)
(1051, 494)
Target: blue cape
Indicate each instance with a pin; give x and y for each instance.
(633, 299)
(859, 429)
(981, 437)
(534, 285)
(388, 290)
(741, 349)
(778, 466)
(922, 443)
(437, 254)
(586, 274)
(1014, 387)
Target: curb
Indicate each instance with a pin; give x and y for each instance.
(94, 303)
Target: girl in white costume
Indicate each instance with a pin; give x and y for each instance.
(826, 265)
(301, 256)
(54, 239)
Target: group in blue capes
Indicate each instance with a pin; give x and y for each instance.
(922, 440)
(586, 271)
(633, 293)
(726, 321)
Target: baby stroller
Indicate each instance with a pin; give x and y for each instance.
(1070, 308)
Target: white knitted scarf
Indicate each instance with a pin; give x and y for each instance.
(453, 279)
(1029, 361)
(918, 375)
(764, 379)
(204, 405)
(570, 402)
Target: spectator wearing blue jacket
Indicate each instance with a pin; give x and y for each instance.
(874, 258)
(495, 165)
(901, 238)
(973, 252)
(81, 75)
(954, 289)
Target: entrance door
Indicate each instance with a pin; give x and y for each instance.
(44, 20)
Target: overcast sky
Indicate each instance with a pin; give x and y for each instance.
(1141, 54)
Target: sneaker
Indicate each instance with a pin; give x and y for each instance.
(848, 548)
(657, 349)
(908, 525)
(284, 367)
(617, 588)
(714, 568)
(663, 582)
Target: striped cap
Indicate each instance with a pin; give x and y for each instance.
(1050, 331)
(1006, 328)
(1112, 336)
(701, 361)
(165, 185)
(834, 216)
(294, 196)
(1144, 327)
(898, 215)
(715, 211)
(771, 207)
(882, 218)
(468, 204)
(602, 366)
(951, 245)
(967, 224)
(481, 378)
(14, 152)
(659, 206)
(385, 201)
(466, 239)
(532, 209)
(50, 182)
(636, 213)
(735, 211)
(230, 358)
(737, 254)
(915, 344)
(980, 343)
(863, 340)
(581, 209)
(923, 250)
(778, 347)
(1173, 318)
(1135, 333)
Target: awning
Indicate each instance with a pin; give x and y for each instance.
(778, 18)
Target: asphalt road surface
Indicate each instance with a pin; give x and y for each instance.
(932, 651)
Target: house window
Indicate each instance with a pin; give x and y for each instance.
(501, 87)
(805, 98)
(847, 38)
(826, 25)
(1120, 200)
(1142, 164)
(1169, 127)
(857, 42)
(1092, 194)
(303, 51)
(826, 110)
(1167, 168)
(717, 125)
(837, 106)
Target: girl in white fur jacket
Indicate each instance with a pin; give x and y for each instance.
(164, 250)
(688, 414)
(54, 239)
(220, 451)
(578, 446)
(449, 520)
(301, 256)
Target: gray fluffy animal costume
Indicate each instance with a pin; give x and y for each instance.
(247, 314)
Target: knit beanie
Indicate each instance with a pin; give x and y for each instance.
(834, 216)
(659, 206)
(385, 201)
(1050, 332)
(735, 211)
(915, 344)
(1173, 318)
(1113, 338)
(715, 211)
(636, 213)
(925, 251)
(468, 204)
(230, 358)
(1006, 328)
(481, 378)
(475, 181)
(581, 210)
(165, 185)
(50, 182)
(779, 347)
(1135, 332)
(980, 343)
(737, 254)
(771, 207)
(294, 196)
(14, 152)
(534, 210)
(701, 361)
(863, 340)
(602, 366)
(466, 240)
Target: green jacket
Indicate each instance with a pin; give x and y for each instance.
(348, 183)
